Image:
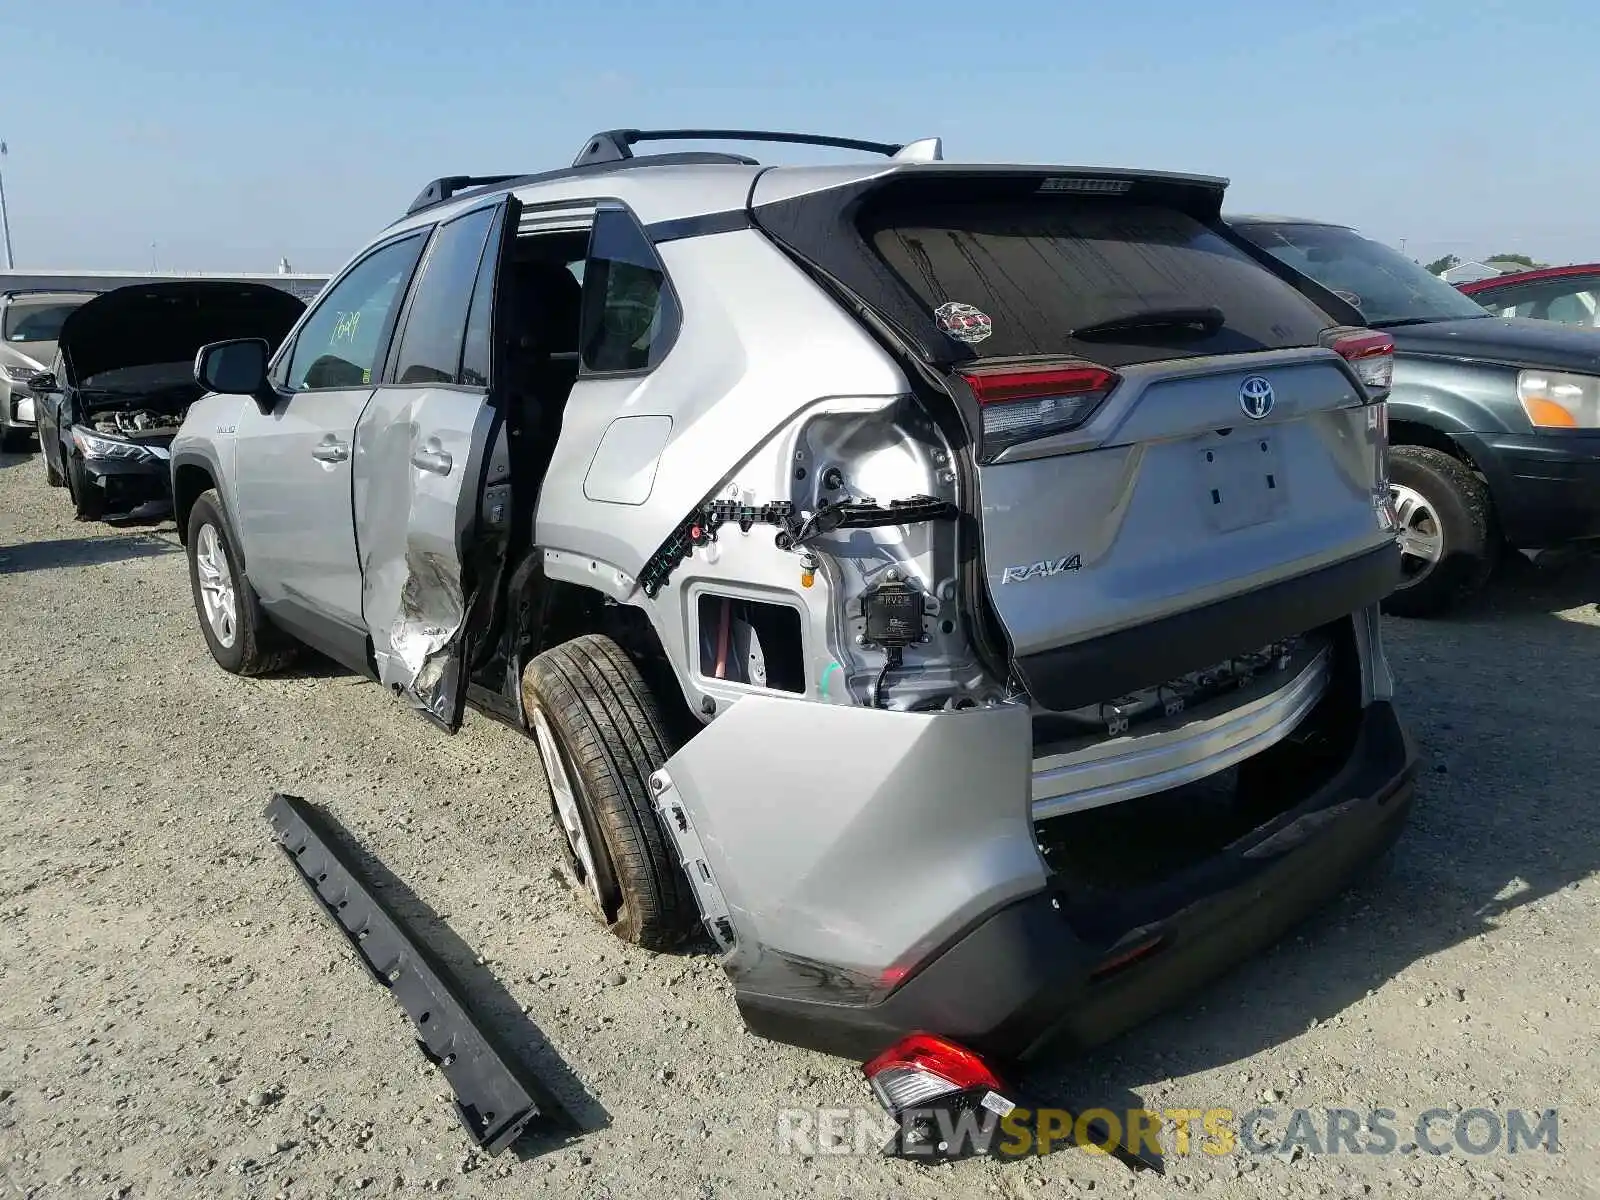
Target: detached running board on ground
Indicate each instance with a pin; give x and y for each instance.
(496, 1099)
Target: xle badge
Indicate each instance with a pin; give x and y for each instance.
(1042, 570)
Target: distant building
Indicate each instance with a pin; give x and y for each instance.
(1469, 272)
(306, 287)
(1506, 266)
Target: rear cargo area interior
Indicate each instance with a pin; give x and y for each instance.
(1122, 859)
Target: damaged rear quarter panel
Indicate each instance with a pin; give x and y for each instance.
(411, 523)
(854, 837)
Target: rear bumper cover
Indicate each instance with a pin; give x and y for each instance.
(1546, 486)
(1071, 676)
(1020, 978)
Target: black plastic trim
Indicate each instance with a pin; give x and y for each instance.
(1102, 668)
(701, 226)
(496, 1098)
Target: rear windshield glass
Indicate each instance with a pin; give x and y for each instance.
(36, 322)
(1027, 278)
(1388, 287)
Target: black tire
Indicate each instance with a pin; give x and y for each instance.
(52, 476)
(1465, 519)
(611, 733)
(15, 439)
(88, 500)
(258, 646)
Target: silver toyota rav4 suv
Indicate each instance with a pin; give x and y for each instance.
(951, 587)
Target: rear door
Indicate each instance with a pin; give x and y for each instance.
(421, 454)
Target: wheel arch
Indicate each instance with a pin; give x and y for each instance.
(547, 612)
(192, 476)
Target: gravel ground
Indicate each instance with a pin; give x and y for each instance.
(176, 1019)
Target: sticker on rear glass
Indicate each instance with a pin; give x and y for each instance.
(963, 322)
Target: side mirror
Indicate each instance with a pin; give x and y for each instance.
(44, 381)
(236, 368)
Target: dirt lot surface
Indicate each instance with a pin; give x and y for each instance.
(177, 1020)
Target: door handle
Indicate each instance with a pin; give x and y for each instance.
(432, 458)
(331, 452)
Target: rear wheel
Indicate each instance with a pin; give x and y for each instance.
(241, 639)
(600, 735)
(1448, 545)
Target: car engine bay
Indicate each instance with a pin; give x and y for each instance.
(136, 424)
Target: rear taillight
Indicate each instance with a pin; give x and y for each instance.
(1022, 404)
(924, 1069)
(1371, 356)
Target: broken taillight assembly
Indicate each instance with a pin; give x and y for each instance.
(947, 1103)
(944, 1099)
(922, 1068)
(1024, 403)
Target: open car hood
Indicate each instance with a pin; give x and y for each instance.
(147, 323)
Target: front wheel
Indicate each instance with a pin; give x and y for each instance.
(88, 498)
(1447, 538)
(600, 735)
(239, 636)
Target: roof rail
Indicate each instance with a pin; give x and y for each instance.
(441, 190)
(614, 145)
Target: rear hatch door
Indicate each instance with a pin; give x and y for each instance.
(1173, 467)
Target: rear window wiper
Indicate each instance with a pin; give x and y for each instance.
(1204, 318)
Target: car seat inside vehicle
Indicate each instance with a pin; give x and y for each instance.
(542, 309)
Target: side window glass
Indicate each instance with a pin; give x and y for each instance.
(339, 344)
(476, 351)
(430, 347)
(630, 315)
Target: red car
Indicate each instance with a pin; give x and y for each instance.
(1567, 295)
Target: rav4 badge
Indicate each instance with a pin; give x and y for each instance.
(1042, 570)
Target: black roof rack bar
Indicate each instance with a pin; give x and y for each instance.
(441, 190)
(615, 144)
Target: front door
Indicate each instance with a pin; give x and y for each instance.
(420, 465)
(294, 465)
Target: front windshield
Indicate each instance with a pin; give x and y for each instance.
(1385, 285)
(35, 322)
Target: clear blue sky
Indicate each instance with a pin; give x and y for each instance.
(230, 134)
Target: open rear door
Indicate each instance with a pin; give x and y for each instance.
(424, 451)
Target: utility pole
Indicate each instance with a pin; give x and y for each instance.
(5, 215)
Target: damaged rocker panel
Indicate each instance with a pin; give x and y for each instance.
(496, 1100)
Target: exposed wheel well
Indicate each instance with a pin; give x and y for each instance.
(189, 483)
(551, 612)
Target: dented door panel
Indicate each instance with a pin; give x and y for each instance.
(419, 466)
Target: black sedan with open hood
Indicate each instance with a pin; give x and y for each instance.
(124, 378)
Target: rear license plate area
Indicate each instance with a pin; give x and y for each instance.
(1241, 483)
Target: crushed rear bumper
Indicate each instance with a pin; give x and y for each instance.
(1021, 978)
